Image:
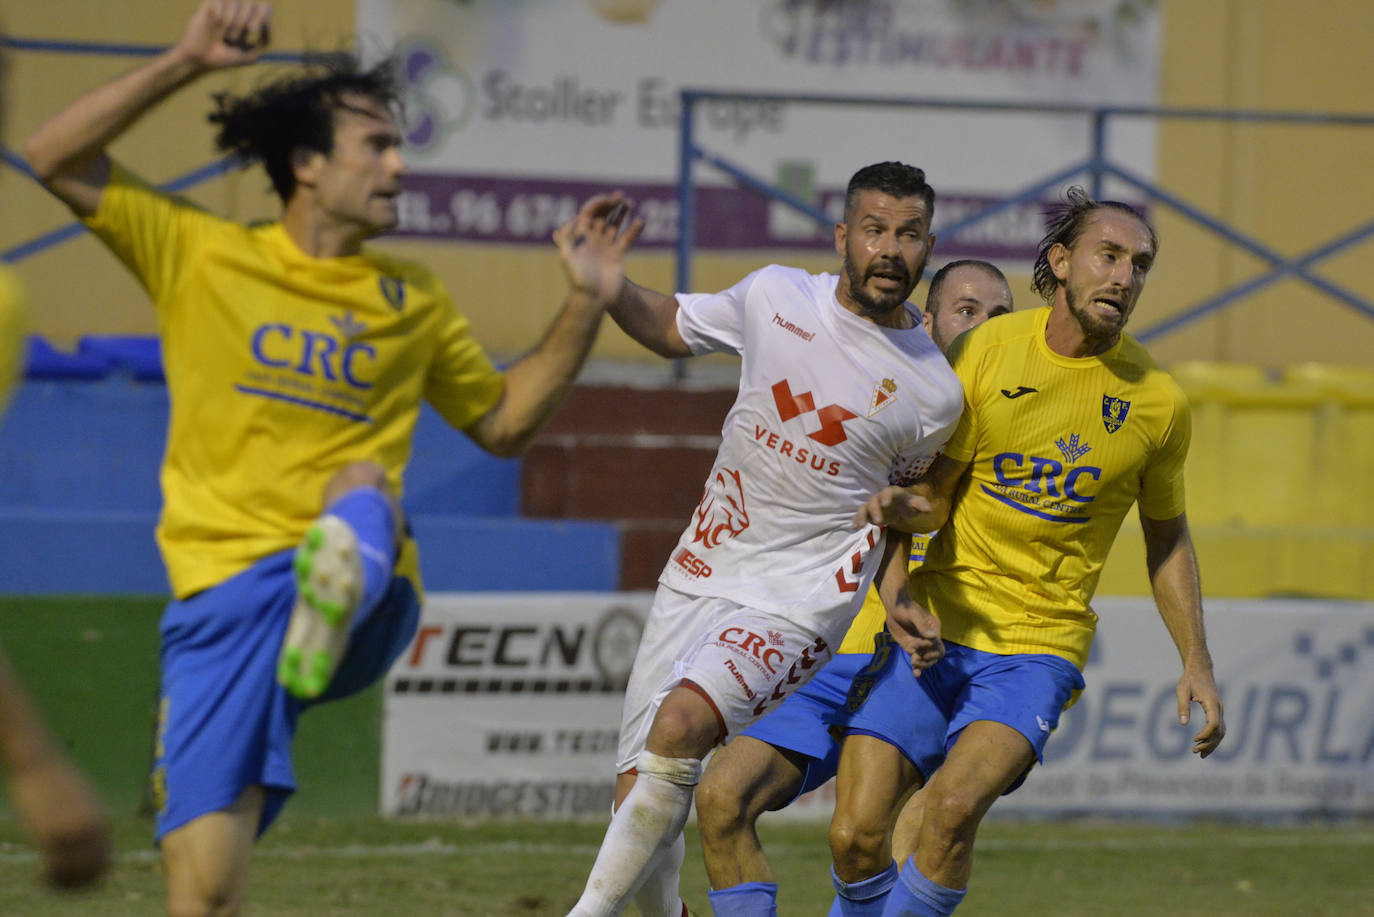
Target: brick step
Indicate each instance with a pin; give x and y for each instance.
(644, 548)
(634, 457)
(658, 478)
(628, 410)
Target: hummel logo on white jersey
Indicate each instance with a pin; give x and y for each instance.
(1044, 726)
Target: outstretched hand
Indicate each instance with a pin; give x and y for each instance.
(227, 33)
(917, 631)
(592, 245)
(892, 506)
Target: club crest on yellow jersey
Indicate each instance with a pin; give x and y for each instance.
(1114, 411)
(394, 291)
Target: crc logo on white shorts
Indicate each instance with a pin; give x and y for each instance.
(761, 651)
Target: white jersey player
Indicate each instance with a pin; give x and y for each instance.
(841, 393)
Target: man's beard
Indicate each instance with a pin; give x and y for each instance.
(876, 307)
(1093, 326)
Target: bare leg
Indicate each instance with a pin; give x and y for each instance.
(873, 780)
(908, 827)
(745, 779)
(206, 860)
(984, 761)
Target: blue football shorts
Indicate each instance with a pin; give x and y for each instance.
(802, 723)
(224, 723)
(923, 716)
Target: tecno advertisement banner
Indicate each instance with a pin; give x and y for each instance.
(519, 110)
(508, 705)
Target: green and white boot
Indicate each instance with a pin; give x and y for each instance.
(329, 587)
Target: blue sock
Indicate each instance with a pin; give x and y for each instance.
(917, 896)
(368, 512)
(864, 898)
(750, 899)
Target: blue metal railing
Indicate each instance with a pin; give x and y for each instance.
(183, 182)
(1097, 166)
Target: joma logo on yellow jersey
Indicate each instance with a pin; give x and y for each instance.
(314, 353)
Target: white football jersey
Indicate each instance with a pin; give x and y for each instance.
(831, 408)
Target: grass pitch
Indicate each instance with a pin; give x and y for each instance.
(372, 867)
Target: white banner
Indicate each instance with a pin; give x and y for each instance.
(520, 109)
(508, 705)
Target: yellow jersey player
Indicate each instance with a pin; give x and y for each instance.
(55, 804)
(1067, 423)
(296, 360)
(794, 750)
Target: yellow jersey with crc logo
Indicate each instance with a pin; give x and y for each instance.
(1059, 449)
(281, 368)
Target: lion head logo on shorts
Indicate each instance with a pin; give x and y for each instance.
(721, 513)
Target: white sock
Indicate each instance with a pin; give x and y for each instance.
(647, 824)
(659, 895)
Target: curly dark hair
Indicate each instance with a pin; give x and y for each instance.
(1066, 227)
(893, 178)
(297, 110)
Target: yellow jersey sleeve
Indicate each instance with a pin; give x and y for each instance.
(462, 384)
(148, 230)
(964, 438)
(1161, 490)
(14, 326)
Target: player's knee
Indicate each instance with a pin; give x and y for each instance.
(202, 903)
(858, 849)
(685, 729)
(953, 815)
(721, 808)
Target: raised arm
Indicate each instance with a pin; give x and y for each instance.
(920, 507)
(650, 318)
(68, 152)
(1172, 564)
(592, 247)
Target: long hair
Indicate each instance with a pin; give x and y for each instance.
(1066, 227)
(297, 111)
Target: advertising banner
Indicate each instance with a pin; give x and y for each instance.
(520, 110)
(508, 705)
(1297, 686)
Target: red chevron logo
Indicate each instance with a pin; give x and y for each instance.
(832, 416)
(845, 584)
(790, 405)
(856, 566)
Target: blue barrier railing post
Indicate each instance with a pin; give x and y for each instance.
(686, 154)
(686, 212)
(1099, 141)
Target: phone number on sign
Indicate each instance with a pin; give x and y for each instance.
(532, 217)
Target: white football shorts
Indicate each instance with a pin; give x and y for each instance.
(745, 661)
